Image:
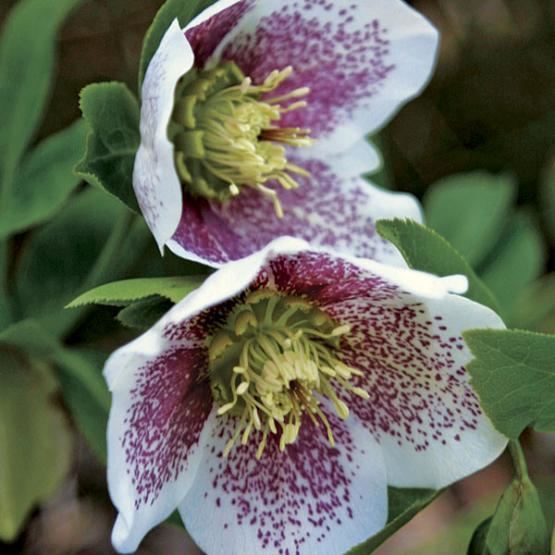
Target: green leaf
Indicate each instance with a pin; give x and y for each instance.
(86, 394)
(423, 249)
(171, 9)
(56, 263)
(35, 442)
(28, 336)
(404, 504)
(470, 211)
(145, 313)
(79, 374)
(112, 114)
(518, 525)
(514, 376)
(44, 181)
(129, 290)
(517, 263)
(535, 307)
(26, 63)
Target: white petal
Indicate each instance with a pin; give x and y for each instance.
(160, 410)
(406, 338)
(155, 180)
(361, 158)
(362, 60)
(310, 499)
(465, 440)
(178, 327)
(156, 430)
(408, 343)
(334, 208)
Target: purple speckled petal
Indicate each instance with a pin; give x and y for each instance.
(160, 410)
(155, 180)
(206, 31)
(362, 59)
(407, 337)
(334, 208)
(157, 422)
(311, 498)
(422, 409)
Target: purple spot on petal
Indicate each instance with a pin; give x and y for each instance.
(343, 61)
(163, 424)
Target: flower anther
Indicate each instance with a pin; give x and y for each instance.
(275, 360)
(225, 135)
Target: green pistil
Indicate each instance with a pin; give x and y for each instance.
(226, 136)
(274, 361)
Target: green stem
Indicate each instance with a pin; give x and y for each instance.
(519, 460)
(102, 267)
(111, 251)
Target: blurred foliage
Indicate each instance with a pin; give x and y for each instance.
(476, 214)
(485, 124)
(56, 241)
(491, 104)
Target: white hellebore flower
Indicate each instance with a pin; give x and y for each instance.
(273, 406)
(254, 118)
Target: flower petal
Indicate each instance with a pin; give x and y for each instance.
(157, 422)
(206, 31)
(406, 336)
(361, 59)
(160, 410)
(155, 180)
(422, 408)
(311, 498)
(333, 207)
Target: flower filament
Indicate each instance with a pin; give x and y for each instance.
(275, 361)
(225, 133)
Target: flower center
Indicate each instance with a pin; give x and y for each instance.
(225, 133)
(275, 360)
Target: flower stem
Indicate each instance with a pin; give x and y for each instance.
(519, 460)
(102, 269)
(111, 251)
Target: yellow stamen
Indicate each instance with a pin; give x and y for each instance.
(281, 364)
(227, 135)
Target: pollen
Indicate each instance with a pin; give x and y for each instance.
(275, 362)
(227, 135)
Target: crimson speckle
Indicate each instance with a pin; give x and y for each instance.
(344, 67)
(281, 493)
(325, 209)
(167, 414)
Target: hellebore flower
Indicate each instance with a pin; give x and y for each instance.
(273, 405)
(253, 125)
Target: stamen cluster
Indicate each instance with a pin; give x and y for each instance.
(226, 136)
(275, 361)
